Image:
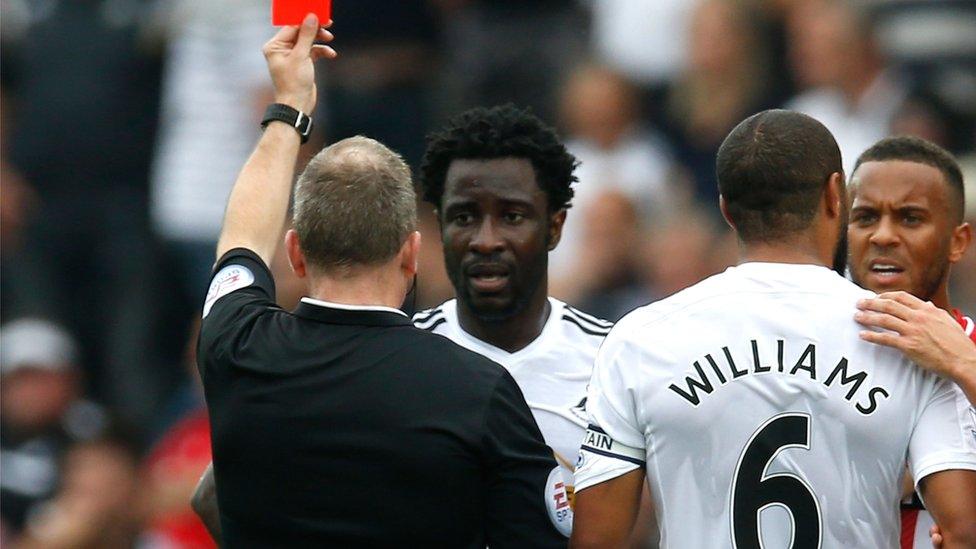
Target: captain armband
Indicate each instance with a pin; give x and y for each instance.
(597, 441)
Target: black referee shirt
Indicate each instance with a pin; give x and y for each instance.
(337, 426)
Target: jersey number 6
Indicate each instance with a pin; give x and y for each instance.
(753, 490)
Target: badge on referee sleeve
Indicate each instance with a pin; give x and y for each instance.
(558, 503)
(229, 279)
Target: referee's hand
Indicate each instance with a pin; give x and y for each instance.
(290, 55)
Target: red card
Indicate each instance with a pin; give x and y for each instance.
(293, 12)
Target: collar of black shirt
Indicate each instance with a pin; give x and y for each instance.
(351, 316)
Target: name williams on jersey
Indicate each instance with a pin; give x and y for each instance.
(799, 360)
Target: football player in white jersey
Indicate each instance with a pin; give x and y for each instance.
(907, 227)
(500, 181)
(749, 401)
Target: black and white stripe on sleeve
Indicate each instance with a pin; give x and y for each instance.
(589, 324)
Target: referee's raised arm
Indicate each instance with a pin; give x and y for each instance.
(258, 203)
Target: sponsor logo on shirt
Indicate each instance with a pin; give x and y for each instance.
(580, 410)
(559, 502)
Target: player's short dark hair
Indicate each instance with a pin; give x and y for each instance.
(915, 149)
(354, 205)
(772, 169)
(500, 132)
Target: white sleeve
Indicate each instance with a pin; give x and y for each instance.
(945, 434)
(614, 442)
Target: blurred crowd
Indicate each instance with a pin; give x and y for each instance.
(124, 123)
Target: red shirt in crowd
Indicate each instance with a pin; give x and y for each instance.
(177, 461)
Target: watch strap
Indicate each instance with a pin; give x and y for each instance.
(289, 115)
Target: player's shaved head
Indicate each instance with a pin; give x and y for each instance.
(772, 170)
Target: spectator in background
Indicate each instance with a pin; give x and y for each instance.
(170, 475)
(24, 284)
(41, 414)
(14, 208)
(645, 41)
(684, 251)
(517, 51)
(215, 89)
(932, 44)
(601, 113)
(381, 84)
(724, 82)
(924, 115)
(433, 287)
(837, 61)
(607, 274)
(95, 505)
(81, 137)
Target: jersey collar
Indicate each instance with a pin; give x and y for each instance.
(787, 270)
(489, 350)
(361, 315)
(967, 323)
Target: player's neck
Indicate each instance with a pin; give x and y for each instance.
(511, 334)
(941, 296)
(781, 252)
(367, 289)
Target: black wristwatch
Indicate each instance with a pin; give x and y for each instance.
(293, 117)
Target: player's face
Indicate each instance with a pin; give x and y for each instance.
(900, 228)
(495, 225)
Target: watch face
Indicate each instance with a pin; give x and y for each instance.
(304, 124)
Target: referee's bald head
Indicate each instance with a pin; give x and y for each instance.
(355, 205)
(772, 170)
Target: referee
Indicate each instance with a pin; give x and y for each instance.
(341, 424)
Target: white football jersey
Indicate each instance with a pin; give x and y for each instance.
(761, 417)
(552, 371)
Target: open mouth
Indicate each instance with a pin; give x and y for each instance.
(488, 278)
(885, 270)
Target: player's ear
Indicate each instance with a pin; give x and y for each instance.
(296, 258)
(835, 195)
(962, 236)
(556, 222)
(410, 254)
(724, 208)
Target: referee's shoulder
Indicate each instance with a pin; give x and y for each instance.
(441, 350)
